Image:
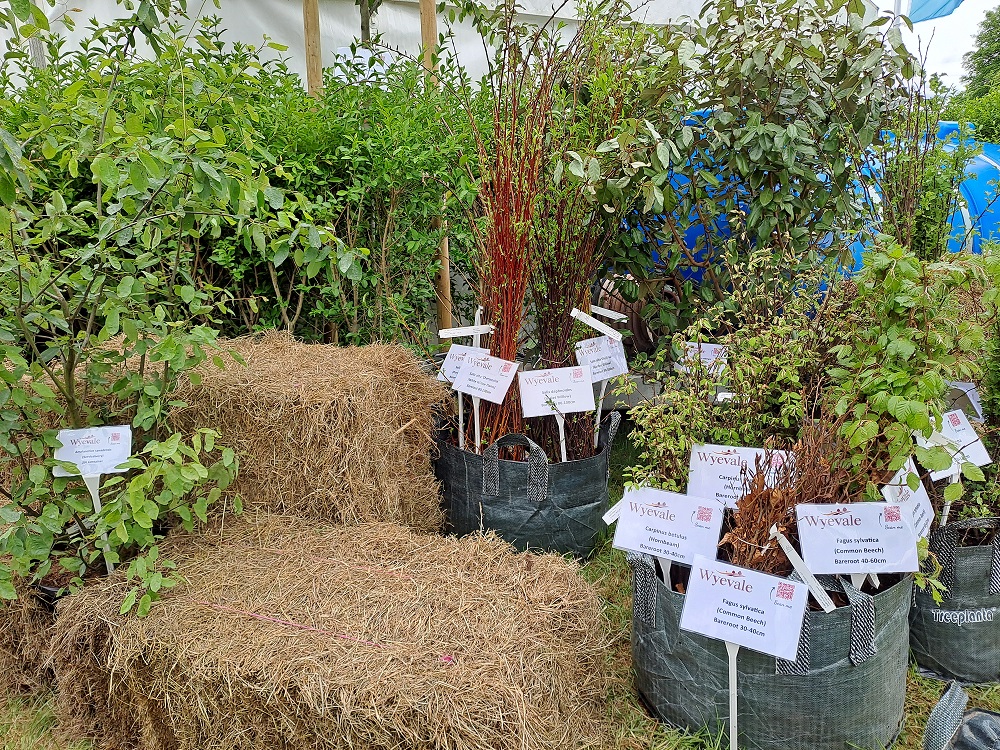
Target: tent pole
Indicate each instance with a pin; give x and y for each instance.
(429, 38)
(314, 55)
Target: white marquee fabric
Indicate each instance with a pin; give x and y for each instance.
(397, 20)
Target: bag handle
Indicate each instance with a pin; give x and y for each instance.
(862, 623)
(614, 421)
(538, 468)
(945, 718)
(944, 544)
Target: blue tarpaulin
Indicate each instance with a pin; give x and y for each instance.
(925, 10)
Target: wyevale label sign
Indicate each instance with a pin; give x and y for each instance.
(667, 524)
(485, 377)
(456, 357)
(746, 607)
(94, 450)
(604, 355)
(899, 492)
(715, 471)
(962, 442)
(711, 356)
(562, 390)
(857, 537)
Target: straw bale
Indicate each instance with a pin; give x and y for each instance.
(329, 433)
(371, 636)
(26, 629)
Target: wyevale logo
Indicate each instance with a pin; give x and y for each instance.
(728, 457)
(652, 510)
(546, 377)
(840, 517)
(733, 579)
(86, 440)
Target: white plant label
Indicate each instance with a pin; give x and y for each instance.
(712, 356)
(605, 355)
(857, 538)
(668, 525)
(94, 450)
(561, 390)
(965, 396)
(752, 609)
(962, 442)
(899, 492)
(485, 377)
(715, 470)
(456, 357)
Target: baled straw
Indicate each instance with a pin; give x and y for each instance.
(26, 629)
(340, 434)
(365, 637)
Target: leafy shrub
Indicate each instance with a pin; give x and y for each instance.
(110, 184)
(759, 145)
(776, 357)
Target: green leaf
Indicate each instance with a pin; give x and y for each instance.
(22, 9)
(104, 169)
(863, 433)
(137, 176)
(7, 590)
(972, 472)
(128, 603)
(144, 604)
(953, 492)
(275, 197)
(8, 192)
(935, 458)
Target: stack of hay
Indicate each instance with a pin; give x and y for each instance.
(26, 627)
(340, 434)
(286, 636)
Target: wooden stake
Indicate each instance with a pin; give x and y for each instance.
(428, 33)
(428, 40)
(314, 53)
(443, 279)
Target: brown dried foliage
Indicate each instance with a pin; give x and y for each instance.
(328, 433)
(820, 473)
(285, 636)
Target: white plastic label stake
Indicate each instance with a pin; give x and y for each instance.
(609, 314)
(561, 422)
(946, 511)
(478, 337)
(461, 420)
(733, 649)
(612, 515)
(597, 413)
(819, 593)
(454, 333)
(475, 417)
(596, 324)
(93, 482)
